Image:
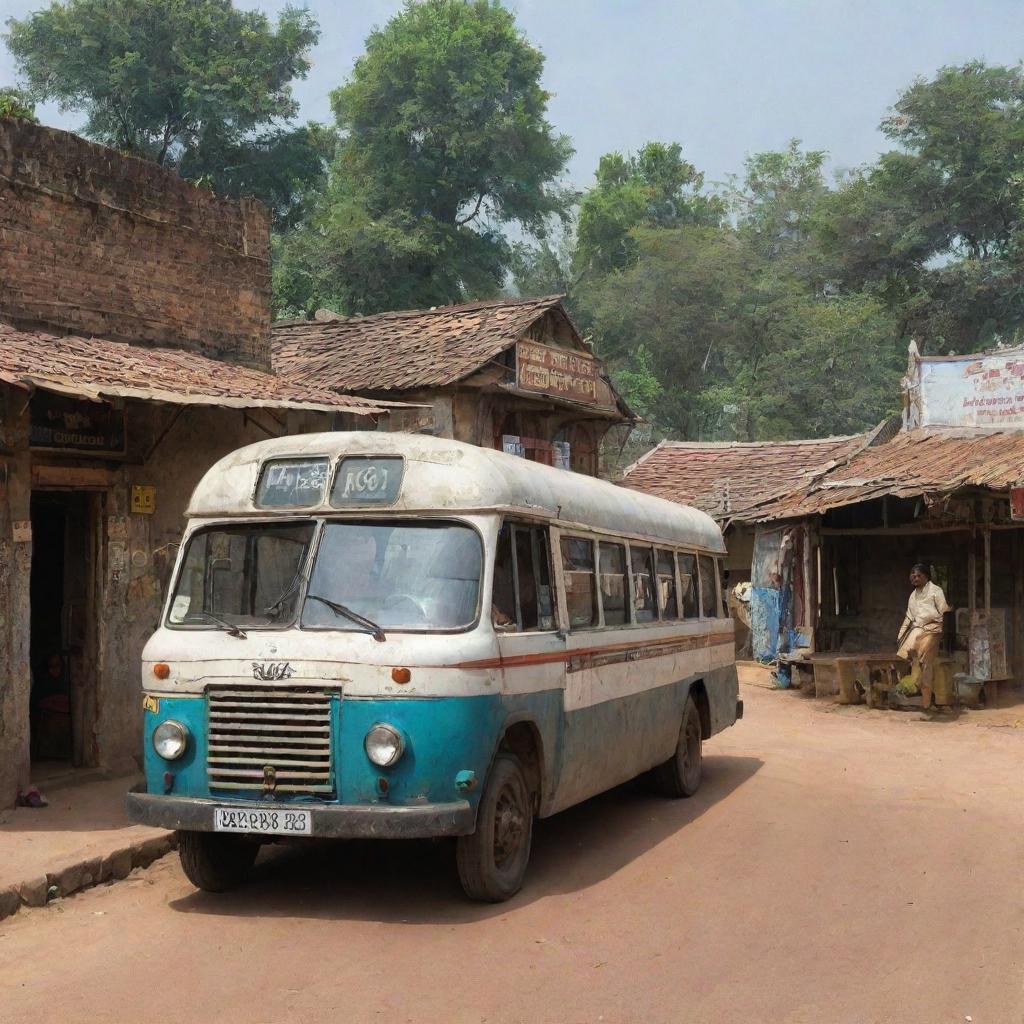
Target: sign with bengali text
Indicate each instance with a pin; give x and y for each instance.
(61, 423)
(558, 372)
(978, 391)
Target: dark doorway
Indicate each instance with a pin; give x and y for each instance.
(61, 616)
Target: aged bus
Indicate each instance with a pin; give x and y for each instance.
(387, 635)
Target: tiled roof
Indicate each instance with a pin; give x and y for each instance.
(95, 368)
(914, 463)
(723, 478)
(414, 348)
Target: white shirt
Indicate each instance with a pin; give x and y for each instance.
(926, 607)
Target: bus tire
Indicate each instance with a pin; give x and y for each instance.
(492, 861)
(214, 862)
(680, 775)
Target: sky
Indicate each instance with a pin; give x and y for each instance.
(725, 78)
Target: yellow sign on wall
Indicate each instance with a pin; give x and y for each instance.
(143, 499)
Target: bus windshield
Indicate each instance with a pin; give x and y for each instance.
(246, 575)
(398, 575)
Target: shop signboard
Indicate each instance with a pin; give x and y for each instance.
(970, 391)
(1017, 504)
(558, 372)
(60, 423)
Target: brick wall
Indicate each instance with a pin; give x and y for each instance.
(94, 242)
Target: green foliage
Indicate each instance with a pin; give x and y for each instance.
(728, 331)
(282, 168)
(190, 83)
(638, 383)
(793, 319)
(777, 204)
(544, 268)
(444, 141)
(14, 103)
(655, 188)
(934, 228)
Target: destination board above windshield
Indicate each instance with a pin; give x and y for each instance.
(292, 483)
(365, 480)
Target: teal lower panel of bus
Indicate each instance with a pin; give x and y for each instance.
(445, 737)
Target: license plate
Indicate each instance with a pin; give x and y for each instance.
(263, 821)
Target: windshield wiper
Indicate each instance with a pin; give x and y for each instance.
(293, 587)
(369, 625)
(229, 627)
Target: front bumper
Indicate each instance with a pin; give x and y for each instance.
(376, 821)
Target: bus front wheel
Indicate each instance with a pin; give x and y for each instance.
(492, 861)
(680, 775)
(214, 862)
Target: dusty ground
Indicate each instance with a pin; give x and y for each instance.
(839, 866)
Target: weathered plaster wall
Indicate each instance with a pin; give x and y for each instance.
(139, 550)
(167, 449)
(130, 250)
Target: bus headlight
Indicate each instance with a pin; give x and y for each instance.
(170, 739)
(384, 745)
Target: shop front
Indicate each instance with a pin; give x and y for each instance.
(831, 567)
(97, 463)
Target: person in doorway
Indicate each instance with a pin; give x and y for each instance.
(50, 690)
(921, 631)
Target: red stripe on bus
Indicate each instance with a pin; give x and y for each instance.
(525, 660)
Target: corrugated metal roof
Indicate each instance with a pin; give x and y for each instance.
(913, 463)
(95, 368)
(724, 478)
(406, 350)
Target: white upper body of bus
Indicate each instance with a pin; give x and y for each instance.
(287, 538)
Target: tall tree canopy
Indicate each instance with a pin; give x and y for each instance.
(654, 188)
(726, 329)
(194, 84)
(935, 227)
(444, 140)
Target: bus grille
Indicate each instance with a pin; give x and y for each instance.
(269, 739)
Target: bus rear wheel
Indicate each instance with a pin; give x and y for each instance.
(680, 775)
(492, 861)
(214, 862)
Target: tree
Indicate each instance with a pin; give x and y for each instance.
(655, 188)
(444, 141)
(14, 103)
(194, 84)
(714, 343)
(777, 204)
(681, 299)
(934, 227)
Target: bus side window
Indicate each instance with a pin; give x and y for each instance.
(503, 593)
(533, 573)
(666, 569)
(613, 583)
(645, 608)
(580, 585)
(723, 590)
(688, 585)
(521, 597)
(708, 587)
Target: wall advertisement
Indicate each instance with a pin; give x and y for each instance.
(978, 391)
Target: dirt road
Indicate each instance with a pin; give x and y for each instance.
(839, 866)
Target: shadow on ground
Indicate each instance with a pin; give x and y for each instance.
(414, 882)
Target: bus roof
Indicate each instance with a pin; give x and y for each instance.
(449, 476)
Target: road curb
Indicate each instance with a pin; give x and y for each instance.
(80, 873)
